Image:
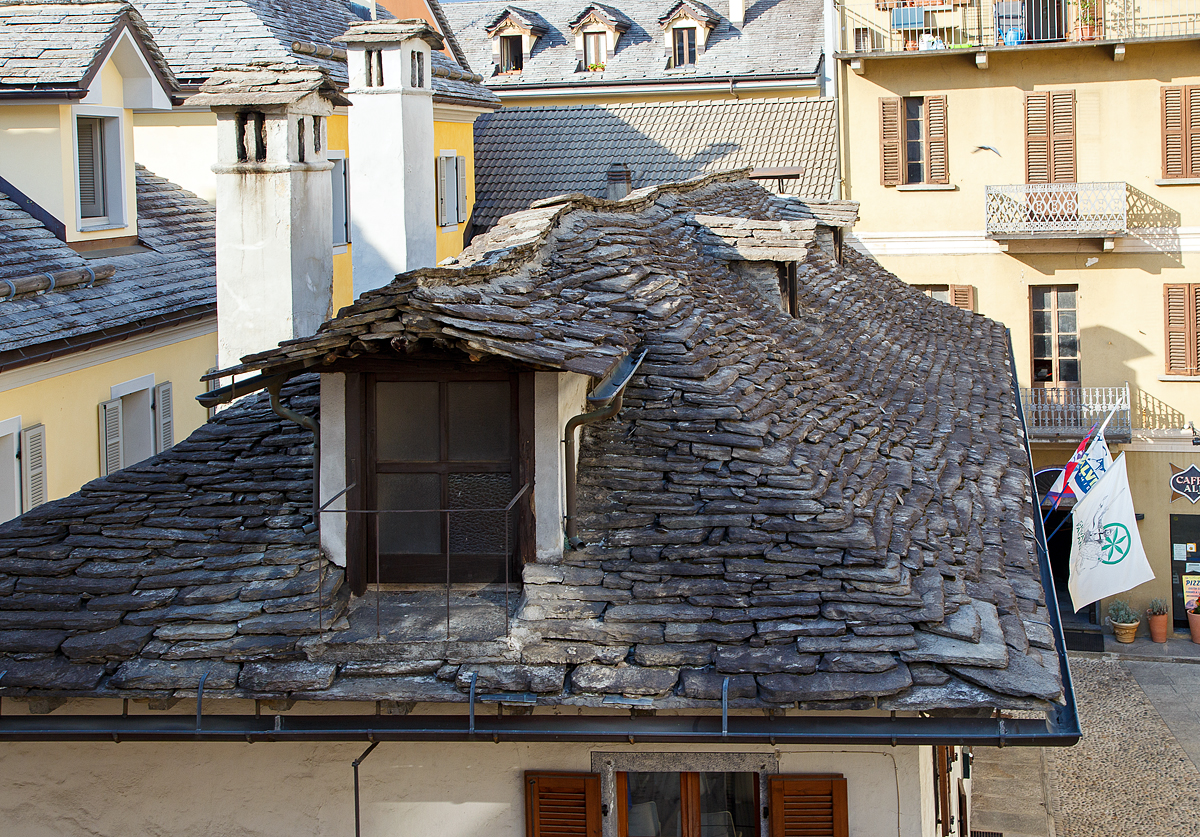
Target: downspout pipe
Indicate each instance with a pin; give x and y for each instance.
(610, 395)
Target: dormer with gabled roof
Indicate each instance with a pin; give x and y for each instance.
(514, 32)
(597, 29)
(71, 75)
(686, 27)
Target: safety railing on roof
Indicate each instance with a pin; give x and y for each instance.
(465, 534)
(1046, 210)
(890, 26)
(1068, 413)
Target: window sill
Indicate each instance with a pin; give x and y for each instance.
(1178, 181)
(927, 187)
(341, 249)
(1168, 378)
(100, 227)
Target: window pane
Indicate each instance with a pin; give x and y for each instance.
(1066, 322)
(479, 531)
(912, 130)
(406, 421)
(1041, 322)
(1040, 297)
(1068, 370)
(480, 417)
(727, 805)
(415, 533)
(1043, 370)
(1066, 297)
(912, 107)
(1041, 345)
(653, 804)
(1068, 345)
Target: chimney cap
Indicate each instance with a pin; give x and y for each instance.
(391, 32)
(265, 83)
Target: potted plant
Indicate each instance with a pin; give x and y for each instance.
(1124, 620)
(1193, 613)
(1158, 615)
(1085, 21)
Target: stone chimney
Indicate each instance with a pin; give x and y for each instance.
(737, 13)
(619, 181)
(274, 204)
(392, 181)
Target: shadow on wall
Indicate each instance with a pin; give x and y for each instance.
(1155, 224)
(1151, 414)
(1113, 351)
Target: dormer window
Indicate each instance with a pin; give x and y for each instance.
(594, 50)
(91, 167)
(685, 47)
(511, 58)
(99, 170)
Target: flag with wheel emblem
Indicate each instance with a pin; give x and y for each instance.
(1106, 550)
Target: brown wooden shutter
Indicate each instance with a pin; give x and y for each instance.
(963, 296)
(1062, 136)
(936, 148)
(890, 164)
(1037, 137)
(808, 806)
(1181, 315)
(1191, 127)
(562, 805)
(941, 767)
(1174, 133)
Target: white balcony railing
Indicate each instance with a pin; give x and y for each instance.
(889, 26)
(1070, 412)
(1047, 210)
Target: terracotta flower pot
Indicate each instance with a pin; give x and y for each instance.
(1125, 631)
(1194, 626)
(1158, 625)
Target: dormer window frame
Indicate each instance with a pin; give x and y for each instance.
(109, 166)
(512, 54)
(684, 46)
(592, 53)
(683, 19)
(503, 35)
(595, 49)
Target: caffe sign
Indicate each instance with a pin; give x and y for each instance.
(1185, 483)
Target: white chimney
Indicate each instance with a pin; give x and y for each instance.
(274, 204)
(392, 181)
(737, 13)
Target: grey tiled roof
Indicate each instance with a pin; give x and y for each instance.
(524, 154)
(779, 38)
(174, 277)
(58, 44)
(834, 509)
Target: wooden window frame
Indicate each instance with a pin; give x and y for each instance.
(362, 466)
(679, 45)
(597, 54)
(512, 61)
(1047, 117)
(689, 799)
(960, 296)
(1180, 132)
(893, 141)
(1055, 358)
(1182, 329)
(834, 784)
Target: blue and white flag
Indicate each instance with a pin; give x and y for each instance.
(1107, 557)
(1091, 467)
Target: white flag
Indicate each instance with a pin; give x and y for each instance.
(1091, 467)
(1106, 550)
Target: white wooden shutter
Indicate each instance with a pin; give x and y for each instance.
(461, 166)
(33, 466)
(444, 164)
(90, 142)
(164, 418)
(112, 453)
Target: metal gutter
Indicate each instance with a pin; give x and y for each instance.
(1066, 716)
(29, 93)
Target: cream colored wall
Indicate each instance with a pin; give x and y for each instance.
(112, 91)
(459, 136)
(180, 146)
(66, 401)
(33, 146)
(451, 790)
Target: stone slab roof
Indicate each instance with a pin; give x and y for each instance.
(264, 83)
(832, 509)
(779, 38)
(525, 154)
(172, 277)
(61, 43)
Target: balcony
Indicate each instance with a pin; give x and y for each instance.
(1047, 211)
(896, 27)
(1066, 415)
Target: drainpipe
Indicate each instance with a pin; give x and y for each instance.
(309, 423)
(609, 394)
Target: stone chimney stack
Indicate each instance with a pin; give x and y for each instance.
(392, 181)
(737, 13)
(620, 181)
(274, 204)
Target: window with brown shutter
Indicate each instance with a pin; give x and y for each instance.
(889, 141)
(1181, 132)
(1050, 137)
(937, 167)
(913, 140)
(960, 296)
(812, 805)
(1181, 305)
(562, 805)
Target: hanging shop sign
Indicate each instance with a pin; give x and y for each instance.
(1185, 482)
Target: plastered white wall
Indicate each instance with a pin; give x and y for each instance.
(181, 147)
(558, 397)
(407, 790)
(333, 465)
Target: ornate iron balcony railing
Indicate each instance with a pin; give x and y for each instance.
(1068, 413)
(1049, 210)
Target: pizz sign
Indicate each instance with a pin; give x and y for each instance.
(1185, 482)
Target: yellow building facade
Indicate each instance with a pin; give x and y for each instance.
(1032, 183)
